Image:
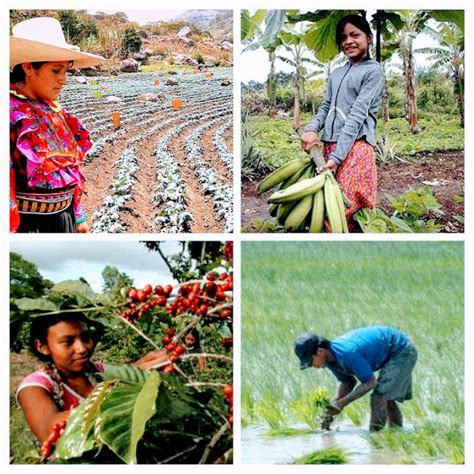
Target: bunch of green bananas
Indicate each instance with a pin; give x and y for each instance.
(303, 199)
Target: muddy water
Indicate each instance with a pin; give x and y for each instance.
(258, 448)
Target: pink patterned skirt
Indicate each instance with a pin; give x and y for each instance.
(357, 177)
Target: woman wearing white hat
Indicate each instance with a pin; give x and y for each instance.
(47, 144)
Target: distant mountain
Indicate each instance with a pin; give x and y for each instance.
(213, 20)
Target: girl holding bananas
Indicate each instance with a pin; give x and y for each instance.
(348, 116)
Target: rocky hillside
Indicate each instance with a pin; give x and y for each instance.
(217, 22)
(196, 37)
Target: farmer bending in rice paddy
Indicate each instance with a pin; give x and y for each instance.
(356, 355)
(47, 144)
(65, 343)
(348, 116)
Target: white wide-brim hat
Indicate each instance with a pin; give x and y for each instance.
(42, 39)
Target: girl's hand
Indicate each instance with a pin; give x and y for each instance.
(82, 228)
(329, 166)
(310, 139)
(152, 359)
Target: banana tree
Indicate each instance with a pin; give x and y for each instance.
(292, 41)
(414, 23)
(395, 30)
(449, 54)
(254, 37)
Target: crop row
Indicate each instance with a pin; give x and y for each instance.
(79, 100)
(98, 143)
(219, 142)
(107, 218)
(207, 176)
(174, 216)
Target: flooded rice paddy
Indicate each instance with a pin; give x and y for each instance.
(258, 447)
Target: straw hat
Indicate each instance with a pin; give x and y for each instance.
(42, 39)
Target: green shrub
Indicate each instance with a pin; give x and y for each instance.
(132, 41)
(198, 58)
(76, 26)
(413, 212)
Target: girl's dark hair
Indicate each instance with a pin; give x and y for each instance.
(17, 74)
(41, 324)
(359, 22)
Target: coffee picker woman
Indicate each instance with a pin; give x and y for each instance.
(65, 343)
(47, 144)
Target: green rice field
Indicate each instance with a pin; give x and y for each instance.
(330, 288)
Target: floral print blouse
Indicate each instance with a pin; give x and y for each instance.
(47, 149)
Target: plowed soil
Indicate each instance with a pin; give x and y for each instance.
(143, 105)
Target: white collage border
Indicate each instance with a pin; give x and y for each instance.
(237, 236)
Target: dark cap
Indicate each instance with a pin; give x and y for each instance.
(306, 345)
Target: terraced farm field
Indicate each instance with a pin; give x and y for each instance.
(163, 169)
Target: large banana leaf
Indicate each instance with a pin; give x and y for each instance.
(125, 412)
(245, 25)
(449, 16)
(320, 37)
(249, 25)
(394, 18)
(274, 20)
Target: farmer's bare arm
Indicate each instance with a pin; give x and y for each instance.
(40, 411)
(358, 392)
(344, 389)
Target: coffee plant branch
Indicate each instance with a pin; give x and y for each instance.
(213, 442)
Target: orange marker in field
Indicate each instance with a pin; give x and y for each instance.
(195, 71)
(116, 119)
(209, 75)
(156, 82)
(177, 103)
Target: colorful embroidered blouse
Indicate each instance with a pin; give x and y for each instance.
(47, 149)
(40, 378)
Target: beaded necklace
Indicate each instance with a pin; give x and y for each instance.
(58, 383)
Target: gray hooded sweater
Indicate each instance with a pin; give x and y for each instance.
(349, 109)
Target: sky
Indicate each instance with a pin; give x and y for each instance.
(65, 260)
(144, 16)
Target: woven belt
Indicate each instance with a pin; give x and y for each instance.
(48, 203)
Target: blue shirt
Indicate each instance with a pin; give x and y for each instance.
(361, 352)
